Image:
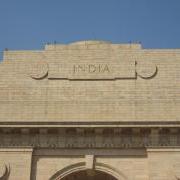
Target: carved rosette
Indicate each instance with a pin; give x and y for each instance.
(4, 172)
(38, 69)
(146, 70)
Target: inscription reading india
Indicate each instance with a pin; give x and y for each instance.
(91, 68)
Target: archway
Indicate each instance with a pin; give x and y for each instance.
(89, 175)
(100, 170)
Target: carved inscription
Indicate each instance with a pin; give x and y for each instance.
(94, 71)
(91, 68)
(88, 70)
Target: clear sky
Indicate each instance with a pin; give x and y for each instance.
(29, 24)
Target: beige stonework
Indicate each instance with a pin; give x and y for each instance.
(90, 110)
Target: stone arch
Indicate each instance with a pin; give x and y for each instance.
(110, 170)
(68, 170)
(82, 167)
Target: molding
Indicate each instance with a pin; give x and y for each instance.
(20, 149)
(107, 140)
(38, 124)
(166, 149)
(140, 152)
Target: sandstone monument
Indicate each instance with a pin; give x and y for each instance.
(90, 110)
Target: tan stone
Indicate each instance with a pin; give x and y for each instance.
(119, 95)
(102, 109)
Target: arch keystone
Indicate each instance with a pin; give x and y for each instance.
(89, 161)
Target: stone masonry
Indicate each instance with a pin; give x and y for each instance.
(90, 106)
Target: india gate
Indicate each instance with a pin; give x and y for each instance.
(90, 110)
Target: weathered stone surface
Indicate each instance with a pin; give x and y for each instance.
(90, 107)
(90, 81)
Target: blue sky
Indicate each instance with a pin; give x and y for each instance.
(29, 24)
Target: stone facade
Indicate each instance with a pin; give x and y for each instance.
(90, 110)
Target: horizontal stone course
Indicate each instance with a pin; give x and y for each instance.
(121, 93)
